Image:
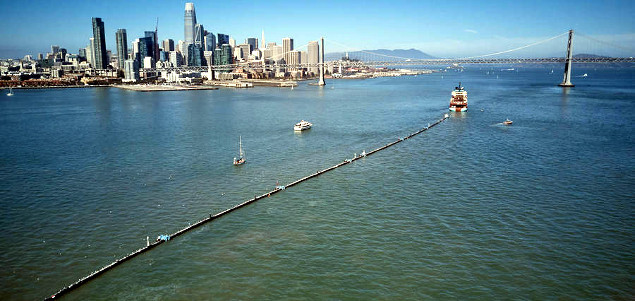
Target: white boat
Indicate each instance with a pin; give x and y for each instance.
(302, 125)
(241, 155)
(458, 101)
(507, 122)
(10, 92)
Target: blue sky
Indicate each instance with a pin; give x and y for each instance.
(440, 28)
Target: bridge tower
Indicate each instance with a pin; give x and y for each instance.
(566, 81)
(321, 81)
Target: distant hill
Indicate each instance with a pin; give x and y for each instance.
(382, 54)
(588, 55)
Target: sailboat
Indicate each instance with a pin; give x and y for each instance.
(241, 154)
(10, 92)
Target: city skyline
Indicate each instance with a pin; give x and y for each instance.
(441, 29)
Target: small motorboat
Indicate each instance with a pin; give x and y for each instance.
(10, 92)
(507, 122)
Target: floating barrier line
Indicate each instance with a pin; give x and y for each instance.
(211, 217)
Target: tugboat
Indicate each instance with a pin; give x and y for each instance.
(458, 102)
(241, 154)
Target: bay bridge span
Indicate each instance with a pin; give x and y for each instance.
(364, 58)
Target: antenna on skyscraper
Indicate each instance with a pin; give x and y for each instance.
(156, 28)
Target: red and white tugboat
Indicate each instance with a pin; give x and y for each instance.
(458, 102)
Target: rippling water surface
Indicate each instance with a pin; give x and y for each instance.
(542, 209)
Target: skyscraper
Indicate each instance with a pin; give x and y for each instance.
(210, 42)
(253, 44)
(99, 50)
(194, 55)
(190, 22)
(122, 47)
(91, 53)
(287, 46)
(222, 39)
(199, 35)
(313, 56)
(168, 45)
(154, 49)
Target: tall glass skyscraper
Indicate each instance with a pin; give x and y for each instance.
(122, 47)
(99, 50)
(199, 35)
(190, 22)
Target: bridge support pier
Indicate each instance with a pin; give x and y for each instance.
(566, 81)
(321, 82)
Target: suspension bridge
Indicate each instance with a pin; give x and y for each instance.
(363, 58)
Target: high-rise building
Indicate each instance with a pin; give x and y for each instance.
(190, 22)
(253, 44)
(313, 56)
(294, 59)
(153, 50)
(232, 42)
(99, 50)
(277, 53)
(168, 45)
(287, 46)
(91, 54)
(223, 56)
(145, 50)
(55, 49)
(131, 70)
(210, 42)
(244, 51)
(41, 56)
(194, 55)
(122, 47)
(176, 59)
(222, 39)
(199, 35)
(262, 42)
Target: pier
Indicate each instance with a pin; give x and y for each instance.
(166, 238)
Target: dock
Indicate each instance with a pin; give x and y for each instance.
(166, 238)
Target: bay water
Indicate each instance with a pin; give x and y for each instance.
(471, 209)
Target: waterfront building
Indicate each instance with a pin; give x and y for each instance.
(294, 59)
(99, 50)
(222, 39)
(131, 70)
(313, 56)
(223, 56)
(148, 62)
(176, 60)
(194, 55)
(199, 35)
(287, 46)
(253, 44)
(190, 22)
(122, 47)
(210, 42)
(168, 45)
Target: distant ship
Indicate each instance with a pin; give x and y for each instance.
(458, 102)
(302, 125)
(507, 122)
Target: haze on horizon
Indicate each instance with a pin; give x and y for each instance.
(438, 28)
